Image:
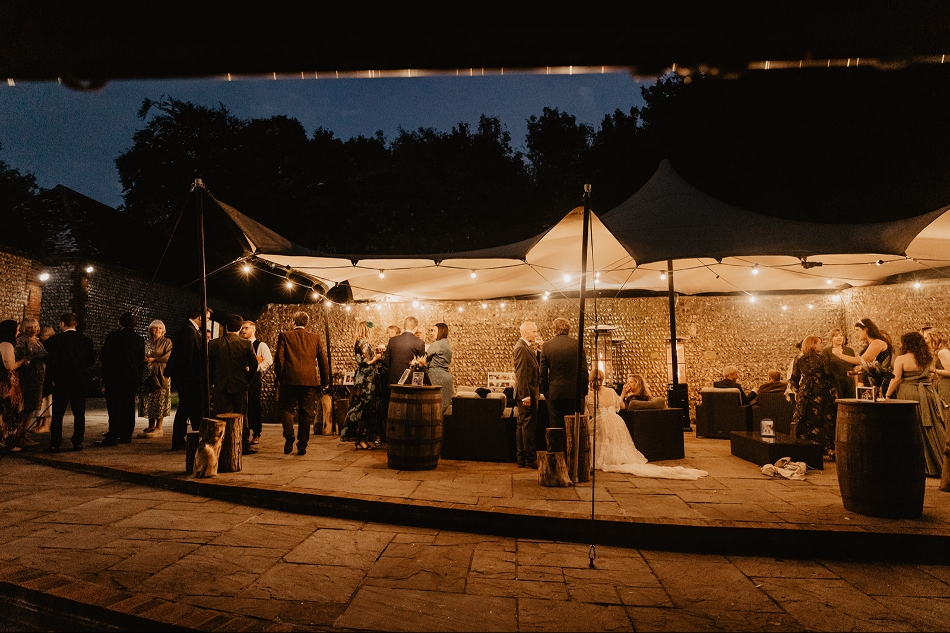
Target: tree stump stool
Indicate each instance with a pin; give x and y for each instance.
(580, 472)
(552, 469)
(323, 425)
(191, 447)
(233, 442)
(208, 451)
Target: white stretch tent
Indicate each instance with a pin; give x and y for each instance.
(667, 219)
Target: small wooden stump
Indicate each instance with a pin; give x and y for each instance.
(191, 447)
(583, 450)
(232, 444)
(323, 425)
(552, 469)
(208, 451)
(556, 439)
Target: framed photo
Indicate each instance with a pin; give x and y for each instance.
(866, 393)
(404, 378)
(418, 378)
(501, 379)
(348, 377)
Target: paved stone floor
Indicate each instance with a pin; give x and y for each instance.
(95, 542)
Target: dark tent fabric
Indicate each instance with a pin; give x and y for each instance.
(670, 219)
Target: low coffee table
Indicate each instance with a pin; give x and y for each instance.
(754, 448)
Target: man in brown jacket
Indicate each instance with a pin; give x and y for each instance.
(301, 371)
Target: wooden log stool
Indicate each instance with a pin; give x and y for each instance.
(191, 447)
(233, 442)
(552, 465)
(208, 450)
(582, 470)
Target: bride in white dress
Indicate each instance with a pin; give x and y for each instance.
(614, 451)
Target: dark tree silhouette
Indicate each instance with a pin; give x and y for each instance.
(16, 187)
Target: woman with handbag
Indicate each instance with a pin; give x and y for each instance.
(155, 400)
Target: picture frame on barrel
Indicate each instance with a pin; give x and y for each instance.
(866, 393)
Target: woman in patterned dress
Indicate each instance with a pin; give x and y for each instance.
(11, 397)
(32, 374)
(361, 426)
(155, 398)
(815, 408)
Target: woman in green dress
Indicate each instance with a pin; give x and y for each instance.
(912, 382)
(361, 426)
(439, 356)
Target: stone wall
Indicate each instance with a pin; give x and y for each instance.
(17, 292)
(900, 308)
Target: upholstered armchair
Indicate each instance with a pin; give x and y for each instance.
(721, 412)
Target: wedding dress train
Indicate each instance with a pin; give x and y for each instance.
(614, 451)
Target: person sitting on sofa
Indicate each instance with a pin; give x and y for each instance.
(636, 394)
(730, 378)
(775, 384)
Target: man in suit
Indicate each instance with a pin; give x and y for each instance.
(730, 378)
(560, 379)
(402, 349)
(71, 354)
(254, 384)
(232, 359)
(527, 394)
(301, 371)
(123, 358)
(186, 369)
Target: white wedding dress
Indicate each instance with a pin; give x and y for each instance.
(614, 451)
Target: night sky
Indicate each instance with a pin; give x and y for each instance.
(72, 138)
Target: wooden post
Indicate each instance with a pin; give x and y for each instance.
(233, 442)
(578, 453)
(208, 452)
(191, 447)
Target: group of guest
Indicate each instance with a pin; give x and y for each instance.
(381, 365)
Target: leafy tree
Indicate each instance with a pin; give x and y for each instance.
(557, 150)
(15, 187)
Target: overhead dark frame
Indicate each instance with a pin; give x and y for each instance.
(46, 41)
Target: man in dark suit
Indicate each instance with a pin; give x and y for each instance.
(527, 394)
(560, 378)
(123, 358)
(402, 349)
(186, 369)
(730, 377)
(71, 354)
(301, 371)
(232, 359)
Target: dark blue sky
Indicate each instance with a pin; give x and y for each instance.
(72, 138)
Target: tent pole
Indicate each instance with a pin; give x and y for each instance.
(581, 370)
(674, 399)
(326, 333)
(199, 188)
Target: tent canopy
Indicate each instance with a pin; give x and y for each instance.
(715, 248)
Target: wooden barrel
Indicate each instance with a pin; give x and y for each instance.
(414, 427)
(879, 452)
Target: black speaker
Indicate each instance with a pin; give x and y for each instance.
(678, 398)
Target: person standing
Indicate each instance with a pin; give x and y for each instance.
(232, 360)
(527, 394)
(32, 374)
(439, 357)
(559, 376)
(44, 412)
(361, 425)
(186, 369)
(839, 345)
(400, 350)
(123, 358)
(71, 354)
(11, 396)
(301, 371)
(254, 381)
(155, 397)
(816, 389)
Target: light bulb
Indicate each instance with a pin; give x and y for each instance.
(663, 276)
(917, 284)
(415, 303)
(484, 305)
(347, 308)
(503, 304)
(567, 277)
(755, 269)
(316, 295)
(89, 269)
(473, 274)
(246, 268)
(811, 307)
(382, 274)
(461, 309)
(828, 281)
(784, 308)
(751, 299)
(289, 284)
(44, 276)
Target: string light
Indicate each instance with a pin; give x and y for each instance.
(347, 308)
(567, 277)
(473, 274)
(917, 284)
(246, 268)
(415, 303)
(382, 274)
(755, 269)
(502, 304)
(828, 281)
(316, 295)
(663, 276)
(461, 309)
(484, 305)
(44, 276)
(751, 299)
(784, 308)
(811, 307)
(89, 269)
(289, 284)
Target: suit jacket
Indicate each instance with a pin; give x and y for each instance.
(559, 375)
(399, 353)
(123, 357)
(231, 359)
(184, 363)
(527, 373)
(300, 359)
(732, 384)
(71, 354)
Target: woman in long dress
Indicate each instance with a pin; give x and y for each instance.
(361, 425)
(938, 343)
(44, 412)
(614, 451)
(33, 374)
(840, 368)
(11, 397)
(815, 408)
(912, 382)
(439, 356)
(155, 399)
(877, 348)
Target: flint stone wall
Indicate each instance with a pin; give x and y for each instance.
(719, 330)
